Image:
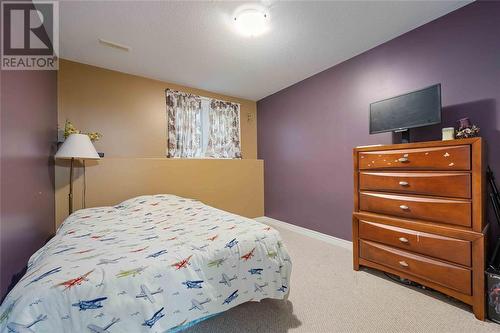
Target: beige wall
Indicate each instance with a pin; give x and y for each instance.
(233, 185)
(130, 112)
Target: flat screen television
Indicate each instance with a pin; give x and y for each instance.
(400, 113)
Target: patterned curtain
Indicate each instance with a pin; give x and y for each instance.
(224, 130)
(184, 124)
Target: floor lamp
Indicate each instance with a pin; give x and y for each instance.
(79, 147)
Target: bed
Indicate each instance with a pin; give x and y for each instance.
(150, 264)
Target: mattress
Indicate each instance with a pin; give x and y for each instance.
(150, 264)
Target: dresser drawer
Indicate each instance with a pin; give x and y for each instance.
(446, 248)
(448, 275)
(428, 183)
(449, 211)
(432, 158)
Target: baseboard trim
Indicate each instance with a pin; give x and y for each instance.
(306, 232)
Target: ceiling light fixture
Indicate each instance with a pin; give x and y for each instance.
(251, 22)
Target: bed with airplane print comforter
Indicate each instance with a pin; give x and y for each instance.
(150, 264)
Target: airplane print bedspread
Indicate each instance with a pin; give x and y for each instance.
(150, 264)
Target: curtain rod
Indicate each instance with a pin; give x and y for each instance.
(204, 97)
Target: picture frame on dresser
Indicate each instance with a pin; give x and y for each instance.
(419, 214)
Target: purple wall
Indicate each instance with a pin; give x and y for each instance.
(306, 132)
(28, 130)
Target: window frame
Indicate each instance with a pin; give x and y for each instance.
(205, 126)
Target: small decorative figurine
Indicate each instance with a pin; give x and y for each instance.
(466, 129)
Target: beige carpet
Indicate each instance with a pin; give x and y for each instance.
(328, 296)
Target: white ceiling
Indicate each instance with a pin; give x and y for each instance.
(194, 43)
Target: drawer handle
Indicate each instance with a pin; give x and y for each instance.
(404, 263)
(404, 207)
(403, 240)
(403, 183)
(403, 159)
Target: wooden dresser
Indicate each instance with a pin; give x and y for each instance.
(419, 214)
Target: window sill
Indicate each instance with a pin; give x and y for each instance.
(202, 158)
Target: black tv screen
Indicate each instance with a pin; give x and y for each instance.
(414, 109)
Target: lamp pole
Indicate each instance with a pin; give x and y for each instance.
(70, 195)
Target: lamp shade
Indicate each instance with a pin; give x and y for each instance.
(77, 146)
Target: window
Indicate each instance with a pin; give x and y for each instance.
(200, 127)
